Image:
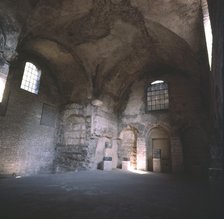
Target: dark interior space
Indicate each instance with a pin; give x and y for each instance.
(111, 109)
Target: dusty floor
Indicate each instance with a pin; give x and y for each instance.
(100, 194)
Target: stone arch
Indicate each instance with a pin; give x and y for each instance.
(160, 124)
(158, 147)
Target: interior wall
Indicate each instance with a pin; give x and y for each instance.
(216, 90)
(185, 110)
(104, 132)
(128, 147)
(85, 130)
(216, 168)
(72, 145)
(27, 131)
(87, 134)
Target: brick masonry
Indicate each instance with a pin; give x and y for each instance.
(26, 146)
(182, 119)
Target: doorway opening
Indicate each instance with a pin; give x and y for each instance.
(159, 155)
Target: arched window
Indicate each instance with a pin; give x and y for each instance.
(31, 78)
(157, 96)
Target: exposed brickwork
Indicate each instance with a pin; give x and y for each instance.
(182, 119)
(72, 146)
(84, 132)
(106, 51)
(26, 147)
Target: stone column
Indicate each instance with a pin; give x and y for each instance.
(141, 154)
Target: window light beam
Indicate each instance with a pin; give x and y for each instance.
(157, 82)
(2, 88)
(207, 29)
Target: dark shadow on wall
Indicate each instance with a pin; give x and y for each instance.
(195, 151)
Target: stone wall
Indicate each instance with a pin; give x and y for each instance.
(183, 115)
(86, 135)
(104, 132)
(128, 147)
(134, 116)
(72, 145)
(79, 137)
(27, 139)
(189, 120)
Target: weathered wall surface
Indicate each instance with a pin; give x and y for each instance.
(135, 116)
(72, 145)
(104, 132)
(86, 135)
(26, 138)
(183, 123)
(128, 147)
(98, 49)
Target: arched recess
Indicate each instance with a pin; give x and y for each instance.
(128, 146)
(159, 147)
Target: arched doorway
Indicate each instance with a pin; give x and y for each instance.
(159, 155)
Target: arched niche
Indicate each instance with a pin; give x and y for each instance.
(159, 148)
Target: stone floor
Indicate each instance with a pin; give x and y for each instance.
(114, 194)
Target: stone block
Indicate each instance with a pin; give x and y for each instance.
(107, 165)
(125, 165)
(156, 165)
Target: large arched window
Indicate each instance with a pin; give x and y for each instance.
(31, 78)
(157, 96)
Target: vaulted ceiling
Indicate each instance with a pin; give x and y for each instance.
(100, 47)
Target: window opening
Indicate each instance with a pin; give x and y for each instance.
(156, 82)
(207, 29)
(4, 69)
(2, 88)
(157, 96)
(31, 78)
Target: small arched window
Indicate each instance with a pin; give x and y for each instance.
(31, 78)
(157, 96)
